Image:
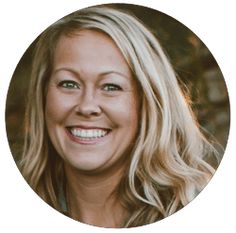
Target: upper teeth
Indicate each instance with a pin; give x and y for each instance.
(88, 133)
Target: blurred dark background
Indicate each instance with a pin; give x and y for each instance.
(192, 61)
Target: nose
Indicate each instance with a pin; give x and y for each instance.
(88, 105)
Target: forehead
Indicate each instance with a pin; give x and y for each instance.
(88, 45)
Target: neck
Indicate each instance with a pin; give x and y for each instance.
(92, 200)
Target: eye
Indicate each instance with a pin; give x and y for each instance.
(111, 87)
(69, 84)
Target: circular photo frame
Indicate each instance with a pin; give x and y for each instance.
(125, 115)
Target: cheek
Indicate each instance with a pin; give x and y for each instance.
(125, 112)
(134, 115)
(51, 109)
(56, 107)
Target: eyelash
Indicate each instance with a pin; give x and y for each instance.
(69, 84)
(111, 87)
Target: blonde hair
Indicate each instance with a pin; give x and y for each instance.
(168, 166)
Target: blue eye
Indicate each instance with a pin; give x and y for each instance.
(69, 84)
(111, 87)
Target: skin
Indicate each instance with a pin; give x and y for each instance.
(91, 87)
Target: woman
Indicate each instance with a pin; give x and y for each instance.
(110, 138)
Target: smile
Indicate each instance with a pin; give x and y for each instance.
(88, 134)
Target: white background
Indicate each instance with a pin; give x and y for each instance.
(212, 211)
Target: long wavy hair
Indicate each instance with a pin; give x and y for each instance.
(168, 164)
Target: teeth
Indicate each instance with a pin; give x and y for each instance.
(88, 134)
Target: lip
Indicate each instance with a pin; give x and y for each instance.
(92, 141)
(87, 127)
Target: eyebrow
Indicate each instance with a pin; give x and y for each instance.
(114, 72)
(100, 74)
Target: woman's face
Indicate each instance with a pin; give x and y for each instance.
(92, 103)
